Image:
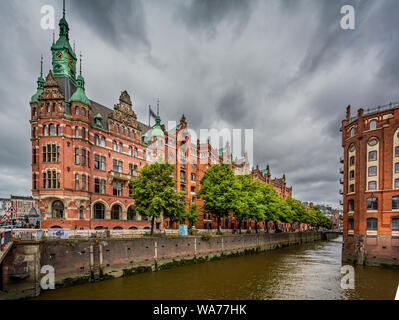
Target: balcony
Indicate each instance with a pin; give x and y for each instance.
(118, 176)
(341, 170)
(341, 159)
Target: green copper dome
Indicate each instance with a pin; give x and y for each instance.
(79, 94)
(157, 130)
(40, 84)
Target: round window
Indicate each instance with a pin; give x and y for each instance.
(373, 142)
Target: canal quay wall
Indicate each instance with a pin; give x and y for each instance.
(378, 251)
(80, 261)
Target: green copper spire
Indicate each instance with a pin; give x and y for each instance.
(79, 94)
(64, 58)
(157, 130)
(40, 84)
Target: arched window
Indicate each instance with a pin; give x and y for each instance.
(116, 212)
(120, 147)
(54, 107)
(130, 150)
(83, 112)
(372, 203)
(128, 132)
(123, 130)
(352, 132)
(102, 141)
(372, 224)
(77, 132)
(373, 125)
(81, 213)
(114, 146)
(83, 133)
(135, 152)
(58, 130)
(96, 140)
(99, 228)
(133, 228)
(51, 130)
(48, 106)
(57, 210)
(117, 128)
(131, 214)
(77, 111)
(99, 211)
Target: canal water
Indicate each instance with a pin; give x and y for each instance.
(310, 271)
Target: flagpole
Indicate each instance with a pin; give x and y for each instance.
(149, 115)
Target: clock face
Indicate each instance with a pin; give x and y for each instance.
(59, 55)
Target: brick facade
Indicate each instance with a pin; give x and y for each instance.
(84, 153)
(370, 185)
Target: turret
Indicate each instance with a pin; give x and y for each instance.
(64, 58)
(40, 84)
(80, 95)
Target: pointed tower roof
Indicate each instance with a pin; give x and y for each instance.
(63, 40)
(40, 84)
(79, 94)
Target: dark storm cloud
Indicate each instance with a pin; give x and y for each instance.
(206, 15)
(282, 68)
(121, 23)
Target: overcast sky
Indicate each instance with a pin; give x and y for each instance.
(283, 68)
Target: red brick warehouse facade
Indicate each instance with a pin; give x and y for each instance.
(84, 154)
(371, 186)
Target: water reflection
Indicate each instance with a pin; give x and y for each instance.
(310, 271)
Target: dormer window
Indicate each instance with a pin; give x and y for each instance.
(98, 122)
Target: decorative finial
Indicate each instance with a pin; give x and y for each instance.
(80, 64)
(41, 66)
(53, 37)
(158, 107)
(63, 9)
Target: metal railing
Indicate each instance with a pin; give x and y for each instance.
(5, 238)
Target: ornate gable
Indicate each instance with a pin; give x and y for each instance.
(123, 112)
(51, 89)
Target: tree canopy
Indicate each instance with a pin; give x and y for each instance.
(153, 193)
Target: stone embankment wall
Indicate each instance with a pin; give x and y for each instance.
(78, 261)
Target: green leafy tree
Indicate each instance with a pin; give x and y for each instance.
(192, 215)
(299, 212)
(153, 193)
(219, 191)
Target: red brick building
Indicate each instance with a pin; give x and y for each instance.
(84, 153)
(371, 186)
